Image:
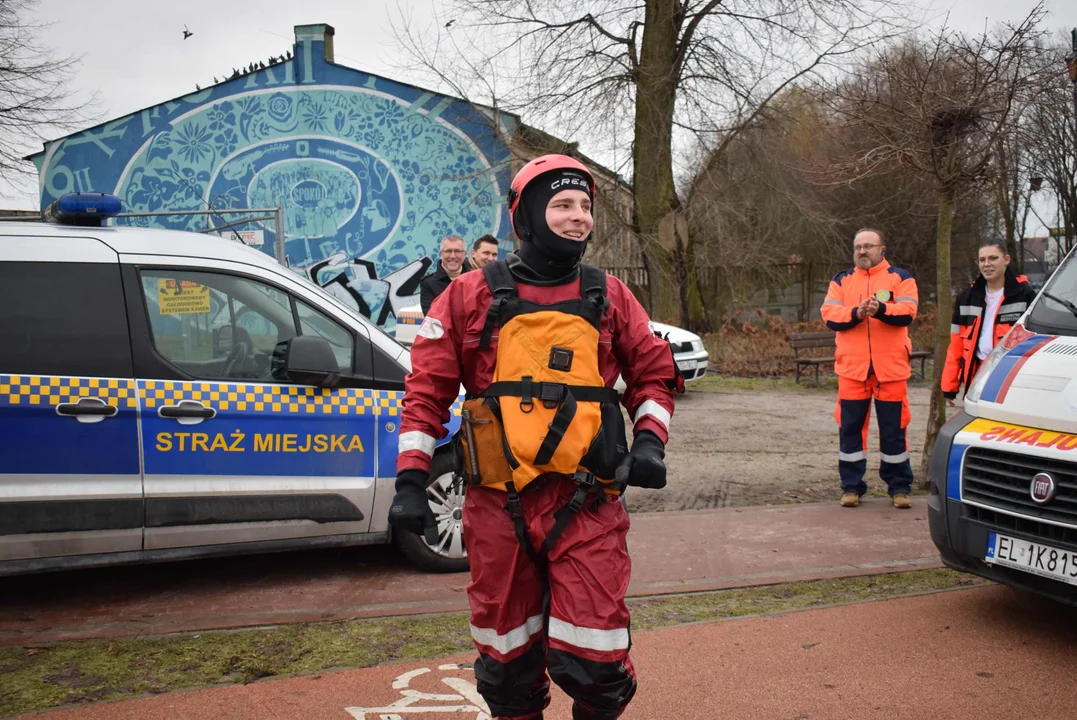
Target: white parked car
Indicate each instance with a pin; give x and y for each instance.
(688, 350)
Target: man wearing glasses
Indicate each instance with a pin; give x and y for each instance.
(870, 307)
(451, 264)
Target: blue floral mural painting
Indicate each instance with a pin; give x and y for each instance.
(370, 173)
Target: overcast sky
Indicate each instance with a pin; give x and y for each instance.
(133, 54)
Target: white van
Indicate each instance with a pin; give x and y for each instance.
(1003, 501)
(167, 395)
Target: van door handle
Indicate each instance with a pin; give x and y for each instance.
(87, 410)
(187, 412)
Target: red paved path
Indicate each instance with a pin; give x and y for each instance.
(671, 552)
(977, 654)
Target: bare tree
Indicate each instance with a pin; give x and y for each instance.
(942, 107)
(1050, 137)
(664, 73)
(34, 99)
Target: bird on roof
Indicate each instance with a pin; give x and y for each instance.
(197, 88)
(215, 80)
(186, 33)
(289, 57)
(261, 65)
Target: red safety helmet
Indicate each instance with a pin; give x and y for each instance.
(538, 166)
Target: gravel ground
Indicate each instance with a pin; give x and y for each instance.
(736, 448)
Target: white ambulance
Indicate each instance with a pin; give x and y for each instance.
(1003, 501)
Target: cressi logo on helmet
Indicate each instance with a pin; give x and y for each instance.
(569, 181)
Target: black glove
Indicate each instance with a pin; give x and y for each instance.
(643, 466)
(410, 511)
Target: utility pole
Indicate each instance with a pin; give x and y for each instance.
(1071, 65)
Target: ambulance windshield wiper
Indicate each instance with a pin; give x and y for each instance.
(1064, 303)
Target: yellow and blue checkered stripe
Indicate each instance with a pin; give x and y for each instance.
(32, 390)
(277, 399)
(36, 439)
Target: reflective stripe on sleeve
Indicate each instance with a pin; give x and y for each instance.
(970, 310)
(892, 459)
(513, 639)
(417, 440)
(832, 302)
(954, 329)
(908, 298)
(652, 408)
(1013, 307)
(853, 457)
(589, 638)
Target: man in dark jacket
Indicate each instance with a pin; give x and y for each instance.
(451, 265)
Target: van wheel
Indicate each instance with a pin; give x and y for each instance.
(447, 501)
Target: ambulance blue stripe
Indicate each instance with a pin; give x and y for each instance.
(953, 471)
(1003, 369)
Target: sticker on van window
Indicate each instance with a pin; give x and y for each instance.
(182, 297)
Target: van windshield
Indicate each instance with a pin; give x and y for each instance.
(1055, 312)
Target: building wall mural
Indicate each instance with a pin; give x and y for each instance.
(370, 173)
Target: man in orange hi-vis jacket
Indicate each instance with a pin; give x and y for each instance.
(870, 307)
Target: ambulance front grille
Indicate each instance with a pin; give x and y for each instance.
(1002, 480)
(1046, 532)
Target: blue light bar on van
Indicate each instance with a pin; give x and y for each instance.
(82, 208)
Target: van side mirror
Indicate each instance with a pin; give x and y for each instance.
(306, 360)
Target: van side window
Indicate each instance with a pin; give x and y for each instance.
(313, 322)
(215, 326)
(60, 318)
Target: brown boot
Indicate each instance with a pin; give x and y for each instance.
(901, 501)
(850, 499)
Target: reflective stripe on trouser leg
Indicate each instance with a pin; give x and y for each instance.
(589, 636)
(894, 466)
(852, 458)
(506, 599)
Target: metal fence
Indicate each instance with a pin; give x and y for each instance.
(793, 291)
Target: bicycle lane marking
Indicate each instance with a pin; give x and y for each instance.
(413, 702)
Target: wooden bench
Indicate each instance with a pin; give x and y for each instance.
(806, 341)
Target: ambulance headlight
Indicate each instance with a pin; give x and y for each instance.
(1013, 338)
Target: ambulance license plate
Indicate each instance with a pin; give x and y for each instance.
(1032, 557)
(686, 364)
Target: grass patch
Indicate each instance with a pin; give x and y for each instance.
(827, 383)
(36, 678)
(659, 612)
(755, 384)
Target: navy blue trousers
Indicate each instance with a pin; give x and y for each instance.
(853, 413)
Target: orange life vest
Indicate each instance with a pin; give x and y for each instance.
(557, 414)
